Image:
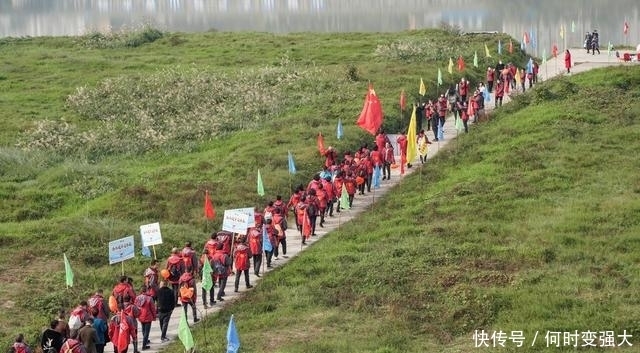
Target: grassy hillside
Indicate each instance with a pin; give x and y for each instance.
(506, 231)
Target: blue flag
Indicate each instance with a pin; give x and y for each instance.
(532, 36)
(266, 243)
(292, 166)
(441, 132)
(339, 130)
(146, 252)
(487, 95)
(530, 66)
(376, 177)
(233, 341)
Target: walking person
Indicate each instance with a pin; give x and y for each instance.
(88, 336)
(166, 303)
(208, 299)
(144, 301)
(188, 294)
(19, 346)
(241, 261)
(221, 263)
(567, 61)
(100, 325)
(255, 247)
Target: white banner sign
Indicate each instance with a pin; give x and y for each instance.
(150, 234)
(235, 221)
(121, 249)
(250, 211)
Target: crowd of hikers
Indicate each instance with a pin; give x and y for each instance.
(114, 316)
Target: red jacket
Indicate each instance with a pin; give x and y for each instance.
(255, 241)
(173, 261)
(123, 289)
(241, 257)
(147, 308)
(402, 142)
(327, 186)
(350, 184)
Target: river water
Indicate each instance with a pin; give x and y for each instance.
(546, 22)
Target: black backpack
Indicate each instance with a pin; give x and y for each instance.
(312, 209)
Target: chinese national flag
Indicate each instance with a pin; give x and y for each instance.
(320, 143)
(122, 341)
(403, 101)
(209, 211)
(371, 116)
(460, 63)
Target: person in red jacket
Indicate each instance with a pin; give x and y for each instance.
(221, 262)
(190, 259)
(255, 246)
(567, 61)
(210, 245)
(132, 312)
(402, 145)
(175, 266)
(321, 195)
(148, 314)
(122, 329)
(241, 261)
(151, 279)
(206, 257)
(327, 186)
(188, 294)
(338, 181)
(388, 158)
(350, 185)
(121, 290)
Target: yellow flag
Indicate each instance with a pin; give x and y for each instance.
(486, 51)
(562, 31)
(423, 88)
(412, 147)
(450, 67)
(518, 81)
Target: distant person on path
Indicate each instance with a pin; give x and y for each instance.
(567, 61)
(97, 302)
(100, 325)
(166, 304)
(88, 336)
(422, 143)
(221, 263)
(255, 248)
(188, 294)
(175, 266)
(151, 278)
(402, 143)
(595, 42)
(19, 346)
(499, 93)
(491, 74)
(53, 337)
(388, 160)
(587, 41)
(148, 314)
(241, 261)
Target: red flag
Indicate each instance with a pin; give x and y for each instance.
(403, 101)
(525, 37)
(471, 111)
(371, 116)
(625, 28)
(320, 143)
(306, 225)
(554, 50)
(122, 341)
(510, 47)
(460, 63)
(209, 211)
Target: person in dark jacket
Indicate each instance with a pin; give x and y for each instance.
(166, 304)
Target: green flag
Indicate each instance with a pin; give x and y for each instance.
(439, 77)
(68, 274)
(344, 198)
(260, 185)
(544, 56)
(207, 281)
(460, 124)
(184, 333)
(609, 47)
(475, 59)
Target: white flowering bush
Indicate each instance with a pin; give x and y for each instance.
(138, 114)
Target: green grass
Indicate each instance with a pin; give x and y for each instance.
(528, 223)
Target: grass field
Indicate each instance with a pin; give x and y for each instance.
(529, 223)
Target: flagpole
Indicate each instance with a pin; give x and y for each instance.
(155, 257)
(122, 267)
